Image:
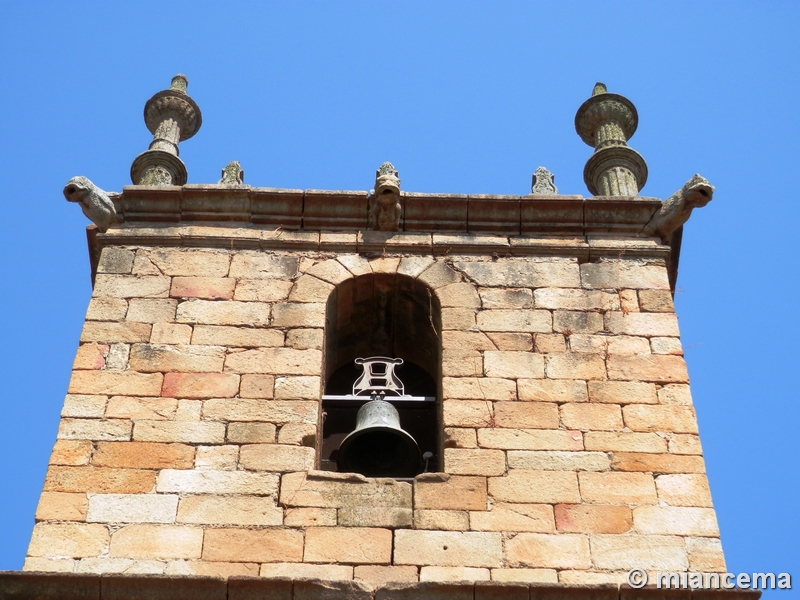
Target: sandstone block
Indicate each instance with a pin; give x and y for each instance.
(260, 545)
(705, 555)
(462, 363)
(238, 337)
(257, 386)
(223, 570)
(98, 480)
(450, 493)
(651, 367)
(106, 309)
(624, 442)
(179, 431)
(331, 271)
(533, 321)
(222, 458)
(646, 324)
(572, 321)
(157, 541)
(143, 455)
(298, 434)
(545, 390)
(526, 415)
(519, 272)
(685, 444)
(310, 517)
(458, 319)
(530, 439)
(274, 411)
(71, 452)
(460, 437)
(617, 488)
(629, 301)
(587, 518)
(606, 345)
(246, 265)
(535, 487)
(657, 463)
(298, 315)
(656, 301)
(74, 540)
(170, 333)
(113, 383)
(51, 565)
(262, 290)
(414, 265)
(62, 506)
(151, 310)
(304, 339)
(642, 417)
(622, 392)
(297, 388)
(362, 516)
(338, 490)
(574, 365)
(228, 312)
(207, 288)
(278, 361)
(376, 576)
(115, 260)
(354, 545)
(563, 551)
(102, 331)
(592, 578)
(550, 342)
(303, 571)
(466, 340)
(479, 388)
(624, 273)
(161, 357)
(276, 458)
(666, 345)
(131, 286)
(558, 461)
(454, 574)
(175, 262)
(506, 517)
(79, 405)
(207, 481)
(525, 575)
(310, 289)
(90, 356)
(154, 409)
(132, 508)
(515, 298)
(251, 433)
(200, 385)
(460, 461)
(448, 520)
(468, 413)
(519, 342)
(623, 552)
(439, 274)
(684, 490)
(94, 429)
(675, 393)
(448, 548)
(459, 295)
(513, 365)
(588, 416)
(230, 510)
(575, 299)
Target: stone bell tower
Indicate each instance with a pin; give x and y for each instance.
(527, 345)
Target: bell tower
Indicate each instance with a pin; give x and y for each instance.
(257, 362)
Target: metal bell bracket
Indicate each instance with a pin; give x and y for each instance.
(378, 380)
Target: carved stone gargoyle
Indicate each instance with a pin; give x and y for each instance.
(94, 202)
(384, 201)
(676, 210)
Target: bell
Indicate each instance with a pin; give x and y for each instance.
(378, 446)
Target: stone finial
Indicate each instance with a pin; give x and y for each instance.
(171, 116)
(384, 200)
(232, 174)
(543, 182)
(94, 202)
(606, 122)
(676, 210)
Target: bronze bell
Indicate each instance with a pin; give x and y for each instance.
(378, 446)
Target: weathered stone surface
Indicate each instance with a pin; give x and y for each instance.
(678, 419)
(705, 555)
(157, 541)
(257, 386)
(624, 442)
(80, 405)
(298, 315)
(207, 481)
(530, 439)
(262, 290)
(276, 411)
(414, 265)
(132, 508)
(74, 540)
(279, 361)
(575, 299)
(179, 431)
(606, 345)
(505, 298)
(439, 274)
(211, 569)
(460, 461)
(550, 342)
(588, 416)
(98, 480)
(106, 309)
(148, 358)
(625, 273)
(101, 331)
(684, 490)
(170, 333)
(143, 455)
(114, 383)
(462, 363)
(276, 458)
(685, 444)
(361, 516)
(518, 272)
(251, 433)
(62, 506)
(310, 517)
(477, 388)
(617, 488)
(675, 393)
(310, 289)
(558, 461)
(459, 437)
(652, 367)
(303, 339)
(448, 520)
(223, 458)
(592, 578)
(339, 490)
(666, 345)
(454, 574)
(354, 545)
(534, 321)
(563, 551)
(176, 262)
(656, 301)
(298, 434)
(575, 321)
(151, 310)
(229, 312)
(458, 318)
(238, 337)
(466, 340)
(574, 365)
(513, 365)
(674, 520)
(629, 301)
(131, 286)
(526, 415)
(450, 492)
(253, 265)
(153, 409)
(331, 271)
(535, 487)
(468, 413)
(506, 517)
(259, 545)
(544, 390)
(115, 260)
(375, 576)
(207, 288)
(302, 571)
(230, 510)
(646, 324)
(448, 548)
(586, 518)
(200, 385)
(657, 463)
(297, 388)
(71, 452)
(623, 552)
(460, 295)
(519, 342)
(90, 356)
(622, 392)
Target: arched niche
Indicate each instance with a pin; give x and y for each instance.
(391, 315)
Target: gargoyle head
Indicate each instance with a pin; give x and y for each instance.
(698, 192)
(387, 184)
(77, 189)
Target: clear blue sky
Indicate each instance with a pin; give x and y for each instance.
(463, 97)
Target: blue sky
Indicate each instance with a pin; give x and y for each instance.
(462, 97)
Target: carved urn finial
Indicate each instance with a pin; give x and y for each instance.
(171, 116)
(384, 201)
(606, 122)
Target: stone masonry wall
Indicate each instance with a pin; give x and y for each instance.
(185, 445)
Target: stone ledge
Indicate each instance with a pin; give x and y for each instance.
(18, 585)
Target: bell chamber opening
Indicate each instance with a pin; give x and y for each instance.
(382, 345)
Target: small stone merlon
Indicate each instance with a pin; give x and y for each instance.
(171, 116)
(232, 174)
(606, 122)
(543, 182)
(95, 203)
(384, 200)
(676, 210)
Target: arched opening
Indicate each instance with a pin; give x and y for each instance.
(387, 315)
